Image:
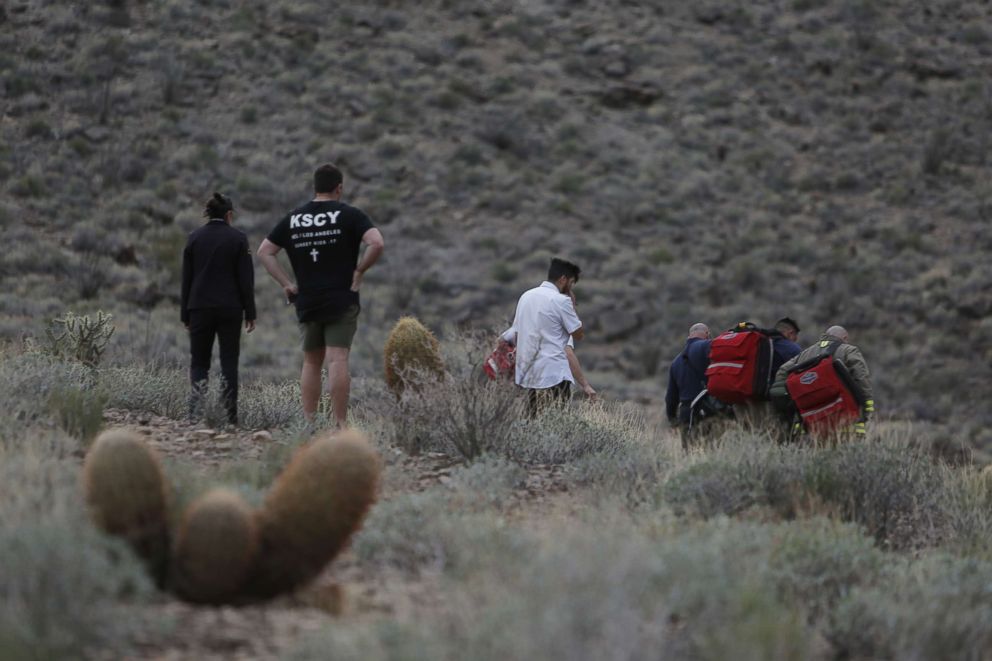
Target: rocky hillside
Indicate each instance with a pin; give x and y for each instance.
(825, 159)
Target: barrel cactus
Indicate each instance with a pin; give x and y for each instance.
(315, 505)
(215, 548)
(126, 493)
(412, 353)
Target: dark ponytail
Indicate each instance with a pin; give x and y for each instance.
(218, 206)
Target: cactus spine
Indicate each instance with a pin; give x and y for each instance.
(315, 505)
(411, 352)
(125, 491)
(215, 548)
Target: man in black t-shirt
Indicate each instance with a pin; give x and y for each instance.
(322, 239)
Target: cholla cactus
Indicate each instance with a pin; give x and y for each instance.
(80, 337)
(411, 352)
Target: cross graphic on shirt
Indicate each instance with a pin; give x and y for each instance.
(314, 253)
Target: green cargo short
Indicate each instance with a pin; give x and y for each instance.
(338, 332)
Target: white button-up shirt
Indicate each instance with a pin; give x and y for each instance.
(543, 325)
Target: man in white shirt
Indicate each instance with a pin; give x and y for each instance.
(544, 324)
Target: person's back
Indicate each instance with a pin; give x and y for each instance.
(545, 319)
(218, 269)
(323, 240)
(541, 338)
(686, 376)
(784, 345)
(218, 291)
(835, 339)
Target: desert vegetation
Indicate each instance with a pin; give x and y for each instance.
(706, 161)
(584, 533)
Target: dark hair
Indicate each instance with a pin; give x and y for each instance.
(218, 206)
(560, 267)
(786, 321)
(326, 178)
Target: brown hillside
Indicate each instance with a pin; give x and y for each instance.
(705, 161)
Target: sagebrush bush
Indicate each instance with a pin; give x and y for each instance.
(460, 416)
(898, 494)
(635, 474)
(161, 391)
(937, 608)
(79, 411)
(65, 590)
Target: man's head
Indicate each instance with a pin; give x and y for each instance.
(699, 330)
(219, 206)
(327, 180)
(788, 328)
(563, 274)
(839, 332)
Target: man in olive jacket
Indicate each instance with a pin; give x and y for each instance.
(848, 354)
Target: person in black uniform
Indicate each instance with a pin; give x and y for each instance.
(323, 240)
(218, 292)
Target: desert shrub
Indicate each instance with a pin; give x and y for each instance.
(609, 592)
(562, 435)
(489, 481)
(937, 608)
(745, 471)
(78, 410)
(161, 391)
(820, 561)
(429, 531)
(967, 509)
(65, 588)
(634, 474)
(269, 405)
(894, 492)
(460, 416)
(34, 387)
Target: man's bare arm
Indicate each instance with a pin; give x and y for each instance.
(375, 244)
(577, 374)
(267, 256)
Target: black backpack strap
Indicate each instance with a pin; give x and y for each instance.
(831, 348)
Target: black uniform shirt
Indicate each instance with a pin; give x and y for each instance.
(217, 270)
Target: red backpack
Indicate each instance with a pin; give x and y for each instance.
(502, 362)
(740, 364)
(824, 393)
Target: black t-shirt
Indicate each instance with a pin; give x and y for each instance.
(322, 240)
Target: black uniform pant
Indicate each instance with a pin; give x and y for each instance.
(541, 399)
(204, 325)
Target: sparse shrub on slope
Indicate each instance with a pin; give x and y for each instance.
(411, 356)
(126, 492)
(64, 587)
(896, 493)
(216, 546)
(936, 608)
(313, 508)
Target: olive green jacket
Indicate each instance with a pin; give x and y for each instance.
(848, 354)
